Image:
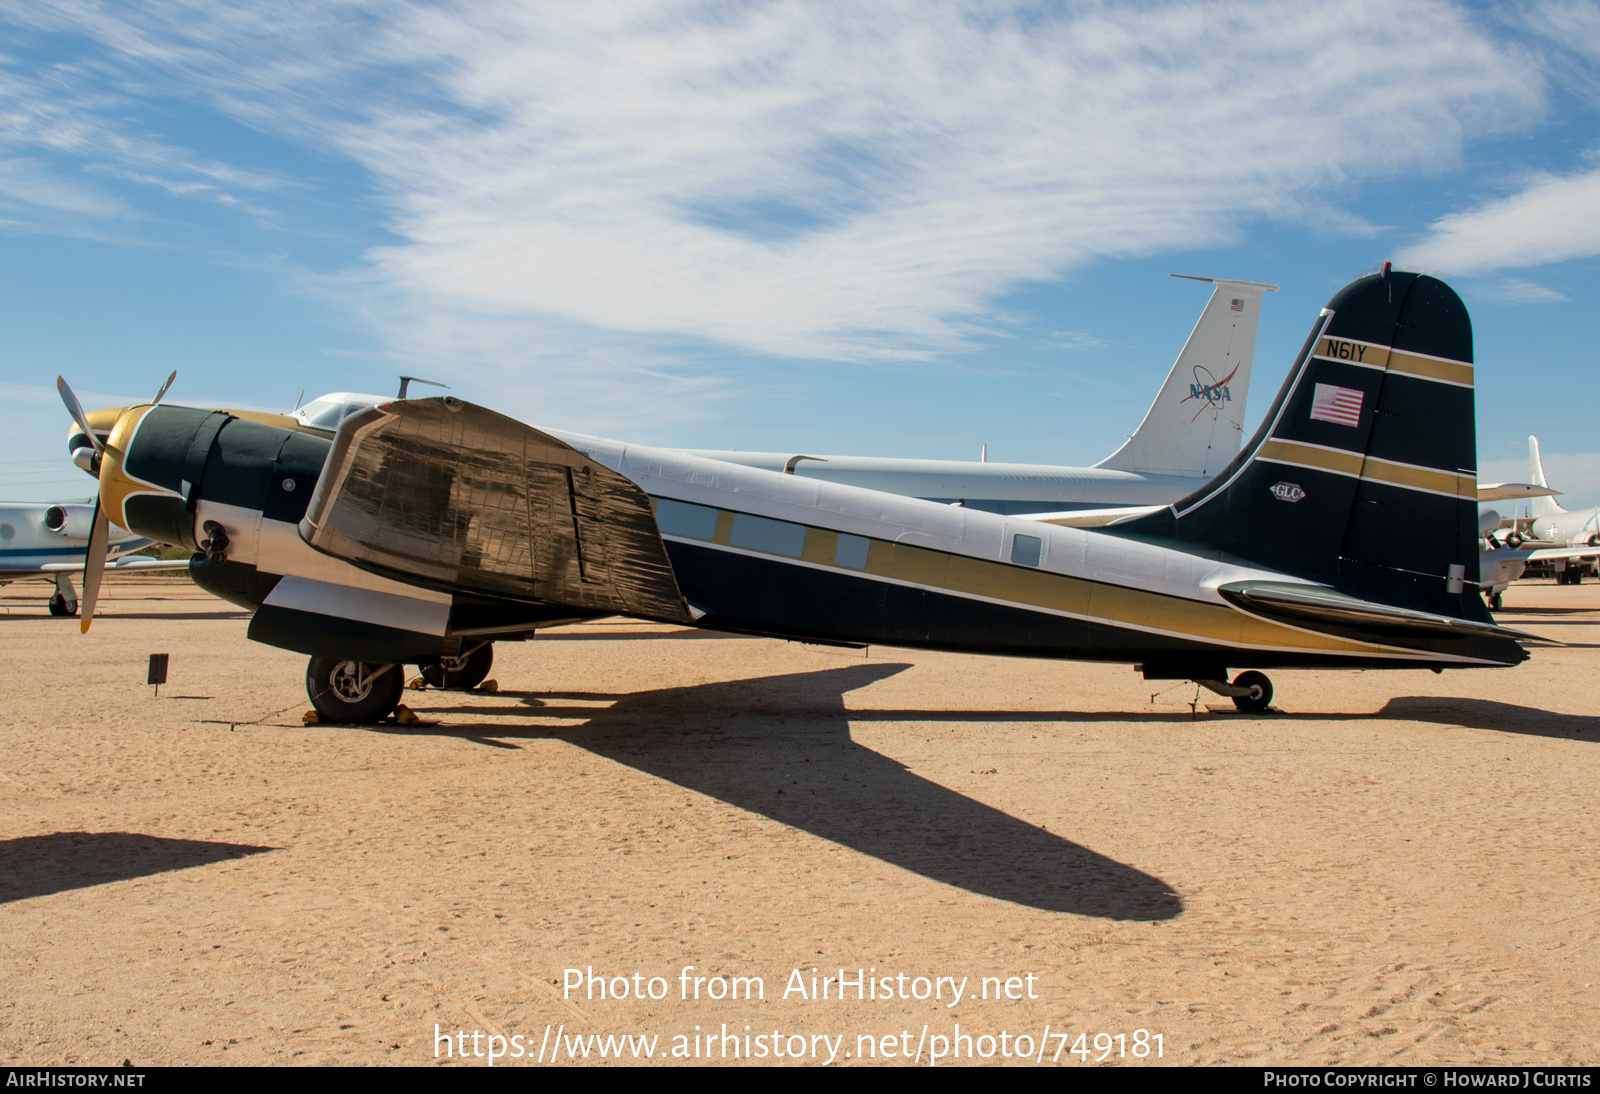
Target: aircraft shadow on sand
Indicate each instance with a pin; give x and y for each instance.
(33, 866)
(780, 746)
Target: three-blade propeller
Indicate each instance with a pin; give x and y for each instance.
(106, 459)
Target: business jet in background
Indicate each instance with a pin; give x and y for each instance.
(51, 542)
(1189, 434)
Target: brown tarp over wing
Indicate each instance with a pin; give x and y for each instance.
(455, 497)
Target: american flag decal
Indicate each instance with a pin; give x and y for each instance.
(1339, 405)
(1237, 305)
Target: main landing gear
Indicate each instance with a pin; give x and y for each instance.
(463, 672)
(65, 602)
(353, 692)
(1250, 691)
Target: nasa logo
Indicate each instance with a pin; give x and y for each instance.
(1208, 391)
(1287, 491)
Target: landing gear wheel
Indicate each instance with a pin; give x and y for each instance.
(460, 673)
(352, 692)
(60, 605)
(1494, 602)
(1260, 696)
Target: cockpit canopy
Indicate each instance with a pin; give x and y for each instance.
(327, 411)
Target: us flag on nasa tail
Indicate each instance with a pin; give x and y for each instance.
(1237, 305)
(1339, 405)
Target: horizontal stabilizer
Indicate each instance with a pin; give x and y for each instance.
(1512, 491)
(1316, 605)
(1091, 518)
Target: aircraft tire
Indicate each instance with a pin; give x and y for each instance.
(352, 692)
(60, 605)
(460, 673)
(1261, 699)
(1494, 602)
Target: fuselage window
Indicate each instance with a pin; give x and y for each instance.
(778, 537)
(679, 518)
(852, 552)
(1025, 550)
(6, 531)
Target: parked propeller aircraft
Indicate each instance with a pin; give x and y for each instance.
(50, 541)
(1191, 430)
(1341, 536)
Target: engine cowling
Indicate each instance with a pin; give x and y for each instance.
(70, 521)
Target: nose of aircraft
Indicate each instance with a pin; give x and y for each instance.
(107, 463)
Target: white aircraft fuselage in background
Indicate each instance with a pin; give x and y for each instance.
(42, 540)
(1189, 434)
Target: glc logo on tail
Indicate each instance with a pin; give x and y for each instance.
(1287, 491)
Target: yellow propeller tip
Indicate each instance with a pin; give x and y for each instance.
(83, 627)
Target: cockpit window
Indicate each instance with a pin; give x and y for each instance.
(322, 414)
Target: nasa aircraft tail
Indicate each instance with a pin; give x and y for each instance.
(1362, 476)
(1542, 506)
(1193, 427)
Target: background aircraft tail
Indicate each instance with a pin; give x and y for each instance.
(1545, 506)
(1194, 426)
(1362, 475)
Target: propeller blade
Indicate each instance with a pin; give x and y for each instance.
(75, 408)
(94, 566)
(164, 387)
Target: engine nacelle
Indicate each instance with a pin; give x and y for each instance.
(71, 521)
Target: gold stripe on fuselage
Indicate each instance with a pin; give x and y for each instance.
(1063, 594)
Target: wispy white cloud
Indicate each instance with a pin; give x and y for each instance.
(1514, 290)
(1552, 219)
(800, 179)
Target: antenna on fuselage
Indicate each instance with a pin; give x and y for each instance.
(405, 382)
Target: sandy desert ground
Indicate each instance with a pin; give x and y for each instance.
(1397, 868)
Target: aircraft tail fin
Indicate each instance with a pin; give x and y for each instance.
(1194, 426)
(1543, 506)
(1362, 476)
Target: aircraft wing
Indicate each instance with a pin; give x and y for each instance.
(1561, 552)
(125, 563)
(1512, 491)
(454, 497)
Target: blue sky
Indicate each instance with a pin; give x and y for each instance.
(906, 230)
